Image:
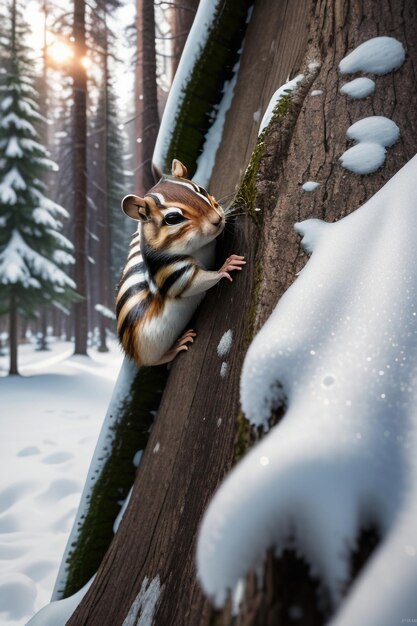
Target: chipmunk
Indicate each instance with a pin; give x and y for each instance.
(165, 277)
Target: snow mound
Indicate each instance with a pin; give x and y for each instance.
(379, 55)
(373, 134)
(310, 185)
(225, 343)
(377, 129)
(358, 88)
(365, 158)
(341, 348)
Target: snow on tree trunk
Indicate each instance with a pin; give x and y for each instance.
(200, 430)
(123, 437)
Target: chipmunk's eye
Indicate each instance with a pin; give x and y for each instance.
(173, 218)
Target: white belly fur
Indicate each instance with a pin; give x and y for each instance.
(159, 334)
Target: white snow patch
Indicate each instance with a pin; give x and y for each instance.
(11, 119)
(341, 348)
(212, 140)
(364, 158)
(316, 92)
(310, 185)
(157, 447)
(21, 264)
(122, 512)
(257, 116)
(58, 613)
(377, 129)
(146, 602)
(379, 55)
(358, 88)
(195, 42)
(373, 134)
(225, 343)
(224, 369)
(277, 96)
(105, 311)
(50, 418)
(13, 149)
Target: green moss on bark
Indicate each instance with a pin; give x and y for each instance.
(129, 433)
(204, 91)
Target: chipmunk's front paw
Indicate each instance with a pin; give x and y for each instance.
(233, 262)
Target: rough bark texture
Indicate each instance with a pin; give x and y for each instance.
(183, 13)
(80, 178)
(147, 117)
(198, 421)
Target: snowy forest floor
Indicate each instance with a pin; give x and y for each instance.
(50, 418)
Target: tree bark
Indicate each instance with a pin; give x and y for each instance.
(104, 214)
(146, 106)
(183, 13)
(13, 340)
(80, 178)
(199, 427)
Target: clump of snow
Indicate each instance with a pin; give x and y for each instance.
(310, 185)
(105, 311)
(364, 158)
(358, 88)
(277, 96)
(257, 115)
(316, 92)
(157, 447)
(377, 129)
(143, 609)
(341, 350)
(373, 134)
(122, 512)
(225, 343)
(379, 55)
(50, 418)
(224, 369)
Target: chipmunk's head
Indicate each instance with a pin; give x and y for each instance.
(177, 215)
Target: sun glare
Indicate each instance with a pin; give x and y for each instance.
(86, 62)
(60, 52)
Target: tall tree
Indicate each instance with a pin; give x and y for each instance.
(33, 251)
(150, 567)
(79, 76)
(146, 97)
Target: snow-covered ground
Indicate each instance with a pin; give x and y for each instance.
(50, 418)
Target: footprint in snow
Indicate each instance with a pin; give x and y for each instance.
(13, 493)
(59, 489)
(29, 451)
(58, 457)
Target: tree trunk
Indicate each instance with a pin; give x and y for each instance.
(104, 215)
(80, 178)
(147, 117)
(200, 430)
(13, 341)
(183, 13)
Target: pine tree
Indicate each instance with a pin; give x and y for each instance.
(33, 251)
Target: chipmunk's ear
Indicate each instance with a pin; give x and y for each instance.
(178, 169)
(136, 208)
